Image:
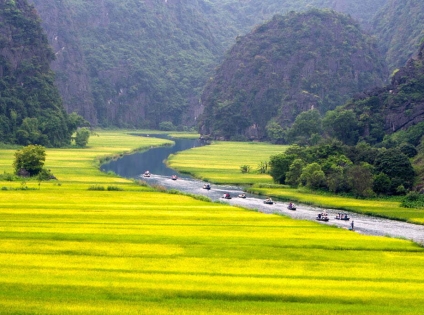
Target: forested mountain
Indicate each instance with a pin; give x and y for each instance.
(70, 67)
(146, 60)
(395, 107)
(31, 109)
(139, 63)
(399, 28)
(291, 64)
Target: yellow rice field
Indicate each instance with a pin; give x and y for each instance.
(67, 250)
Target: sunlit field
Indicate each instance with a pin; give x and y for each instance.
(221, 161)
(67, 250)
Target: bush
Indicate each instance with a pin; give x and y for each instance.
(96, 187)
(413, 200)
(114, 188)
(245, 168)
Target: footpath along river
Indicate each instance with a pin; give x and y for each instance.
(134, 165)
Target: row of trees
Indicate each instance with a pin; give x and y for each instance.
(361, 170)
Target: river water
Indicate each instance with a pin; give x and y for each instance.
(134, 165)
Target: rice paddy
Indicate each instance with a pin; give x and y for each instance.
(67, 250)
(221, 162)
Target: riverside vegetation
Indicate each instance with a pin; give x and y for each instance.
(70, 250)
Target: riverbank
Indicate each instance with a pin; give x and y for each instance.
(222, 161)
(68, 249)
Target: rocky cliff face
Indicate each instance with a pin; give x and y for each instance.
(289, 65)
(72, 77)
(397, 106)
(399, 28)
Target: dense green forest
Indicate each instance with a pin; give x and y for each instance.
(289, 65)
(143, 63)
(31, 109)
(374, 144)
(399, 28)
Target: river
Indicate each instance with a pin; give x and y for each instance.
(134, 165)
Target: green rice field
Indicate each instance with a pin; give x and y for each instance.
(221, 161)
(65, 249)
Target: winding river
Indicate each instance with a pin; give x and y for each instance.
(134, 165)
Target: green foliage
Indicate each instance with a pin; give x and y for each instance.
(342, 125)
(305, 126)
(261, 86)
(114, 188)
(167, 126)
(398, 27)
(279, 165)
(245, 168)
(81, 137)
(31, 110)
(96, 187)
(31, 158)
(397, 166)
(413, 200)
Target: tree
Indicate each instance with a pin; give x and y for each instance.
(361, 179)
(342, 125)
(279, 165)
(312, 176)
(397, 166)
(30, 158)
(294, 173)
(275, 132)
(305, 126)
(81, 138)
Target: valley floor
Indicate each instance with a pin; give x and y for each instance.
(65, 249)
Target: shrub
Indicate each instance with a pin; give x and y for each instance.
(245, 168)
(96, 187)
(413, 200)
(114, 188)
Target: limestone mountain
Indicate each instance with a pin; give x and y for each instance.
(399, 28)
(139, 63)
(395, 107)
(31, 109)
(317, 59)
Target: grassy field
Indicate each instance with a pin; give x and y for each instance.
(67, 250)
(221, 161)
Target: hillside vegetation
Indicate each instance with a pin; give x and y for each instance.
(291, 64)
(399, 28)
(140, 63)
(31, 109)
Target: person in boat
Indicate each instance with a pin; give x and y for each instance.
(319, 215)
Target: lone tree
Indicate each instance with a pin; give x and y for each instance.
(81, 138)
(31, 158)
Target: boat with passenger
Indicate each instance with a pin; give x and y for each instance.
(291, 206)
(323, 216)
(174, 177)
(226, 196)
(268, 201)
(243, 196)
(342, 216)
(146, 174)
(207, 186)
